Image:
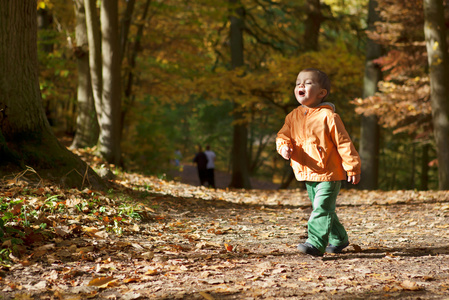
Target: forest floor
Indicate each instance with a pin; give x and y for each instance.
(153, 239)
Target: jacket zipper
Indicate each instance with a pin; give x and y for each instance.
(304, 125)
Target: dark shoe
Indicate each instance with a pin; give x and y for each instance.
(310, 249)
(336, 249)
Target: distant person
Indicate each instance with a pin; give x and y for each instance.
(321, 153)
(178, 157)
(201, 163)
(210, 169)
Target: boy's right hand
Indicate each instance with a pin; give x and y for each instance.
(286, 152)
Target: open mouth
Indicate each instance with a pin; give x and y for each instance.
(301, 93)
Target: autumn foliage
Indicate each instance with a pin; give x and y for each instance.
(402, 102)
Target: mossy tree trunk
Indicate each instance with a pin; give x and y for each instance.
(26, 138)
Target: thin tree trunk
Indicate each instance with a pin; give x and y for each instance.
(240, 167)
(110, 125)
(125, 25)
(26, 139)
(87, 129)
(370, 132)
(425, 168)
(412, 168)
(94, 41)
(134, 51)
(285, 183)
(437, 52)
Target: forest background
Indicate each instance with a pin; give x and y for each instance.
(187, 79)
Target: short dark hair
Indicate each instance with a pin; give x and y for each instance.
(323, 79)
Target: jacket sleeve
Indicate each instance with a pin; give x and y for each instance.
(350, 158)
(284, 135)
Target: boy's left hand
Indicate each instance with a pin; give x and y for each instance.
(354, 179)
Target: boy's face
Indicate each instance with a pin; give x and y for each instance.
(308, 91)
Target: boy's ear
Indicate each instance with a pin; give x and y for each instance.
(322, 93)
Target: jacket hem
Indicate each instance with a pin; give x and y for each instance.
(317, 178)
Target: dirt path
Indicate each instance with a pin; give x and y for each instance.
(189, 175)
(198, 243)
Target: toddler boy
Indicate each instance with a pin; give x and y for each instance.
(322, 154)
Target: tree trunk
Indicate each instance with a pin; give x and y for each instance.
(125, 25)
(133, 52)
(110, 125)
(435, 33)
(424, 186)
(411, 185)
(26, 139)
(240, 168)
(95, 64)
(290, 177)
(370, 132)
(312, 24)
(87, 129)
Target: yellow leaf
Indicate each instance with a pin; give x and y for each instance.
(435, 45)
(206, 296)
(151, 272)
(41, 5)
(103, 282)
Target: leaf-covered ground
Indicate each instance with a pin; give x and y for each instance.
(153, 239)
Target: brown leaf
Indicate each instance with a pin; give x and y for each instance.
(357, 248)
(133, 279)
(62, 231)
(410, 285)
(16, 210)
(152, 272)
(229, 247)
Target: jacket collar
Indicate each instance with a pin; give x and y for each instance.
(328, 105)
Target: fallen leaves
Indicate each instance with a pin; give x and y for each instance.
(241, 242)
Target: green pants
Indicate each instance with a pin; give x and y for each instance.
(323, 226)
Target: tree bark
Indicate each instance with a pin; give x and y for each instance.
(424, 185)
(110, 119)
(437, 53)
(26, 139)
(312, 24)
(125, 25)
(87, 129)
(95, 63)
(370, 131)
(133, 52)
(240, 166)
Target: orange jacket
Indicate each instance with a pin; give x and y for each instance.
(322, 148)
